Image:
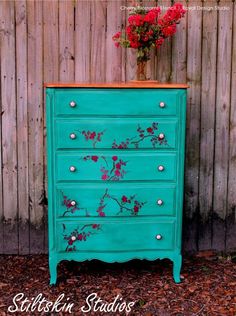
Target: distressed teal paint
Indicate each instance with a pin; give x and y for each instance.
(116, 219)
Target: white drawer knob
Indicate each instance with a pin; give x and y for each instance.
(72, 169)
(161, 168)
(72, 104)
(73, 203)
(72, 136)
(161, 136)
(162, 104)
(158, 237)
(159, 202)
(73, 238)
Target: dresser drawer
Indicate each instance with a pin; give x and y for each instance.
(115, 236)
(109, 167)
(115, 199)
(128, 102)
(116, 133)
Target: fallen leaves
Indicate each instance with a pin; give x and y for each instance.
(208, 288)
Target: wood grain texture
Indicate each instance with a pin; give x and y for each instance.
(115, 20)
(22, 125)
(35, 119)
(140, 84)
(1, 177)
(222, 125)
(231, 207)
(98, 40)
(179, 50)
(209, 49)
(82, 40)
(193, 125)
(9, 138)
(163, 67)
(66, 40)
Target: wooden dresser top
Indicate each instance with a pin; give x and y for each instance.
(136, 85)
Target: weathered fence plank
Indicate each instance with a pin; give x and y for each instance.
(115, 20)
(231, 207)
(98, 41)
(22, 125)
(66, 40)
(163, 67)
(82, 41)
(193, 126)
(222, 125)
(35, 119)
(9, 139)
(209, 49)
(179, 51)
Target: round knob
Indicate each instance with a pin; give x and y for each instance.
(72, 136)
(72, 169)
(159, 202)
(161, 136)
(162, 104)
(73, 203)
(73, 238)
(72, 104)
(161, 168)
(158, 237)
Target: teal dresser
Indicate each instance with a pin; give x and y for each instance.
(115, 157)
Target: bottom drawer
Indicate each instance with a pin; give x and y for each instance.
(105, 236)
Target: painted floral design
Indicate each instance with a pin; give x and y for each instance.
(67, 202)
(79, 235)
(114, 170)
(93, 136)
(150, 133)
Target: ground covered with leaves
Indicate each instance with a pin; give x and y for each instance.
(208, 286)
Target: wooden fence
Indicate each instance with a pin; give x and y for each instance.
(51, 40)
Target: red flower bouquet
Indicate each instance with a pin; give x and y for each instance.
(147, 29)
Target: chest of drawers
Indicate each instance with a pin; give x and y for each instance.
(115, 157)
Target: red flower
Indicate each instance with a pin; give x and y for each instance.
(104, 176)
(124, 199)
(114, 158)
(118, 166)
(150, 130)
(102, 214)
(92, 135)
(169, 30)
(116, 36)
(94, 158)
(136, 19)
(80, 237)
(70, 242)
(136, 209)
(117, 173)
(159, 42)
(94, 226)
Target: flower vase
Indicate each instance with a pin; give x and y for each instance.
(141, 71)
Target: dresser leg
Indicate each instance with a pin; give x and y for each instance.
(53, 272)
(177, 263)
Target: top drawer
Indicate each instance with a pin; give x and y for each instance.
(120, 102)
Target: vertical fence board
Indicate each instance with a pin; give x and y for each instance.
(130, 54)
(222, 125)
(82, 41)
(9, 140)
(193, 126)
(1, 147)
(66, 40)
(164, 52)
(115, 21)
(22, 124)
(179, 50)
(35, 119)
(231, 207)
(98, 41)
(209, 49)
